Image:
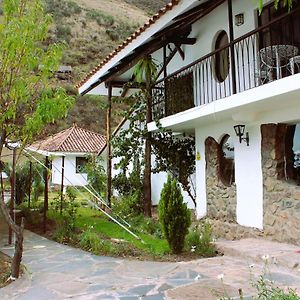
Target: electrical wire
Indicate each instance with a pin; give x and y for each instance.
(94, 204)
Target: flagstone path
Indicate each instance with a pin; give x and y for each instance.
(55, 271)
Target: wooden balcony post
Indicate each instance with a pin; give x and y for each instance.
(108, 142)
(231, 39)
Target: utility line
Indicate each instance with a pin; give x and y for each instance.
(94, 204)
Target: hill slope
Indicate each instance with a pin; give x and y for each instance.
(91, 30)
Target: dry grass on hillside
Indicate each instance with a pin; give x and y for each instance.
(4, 269)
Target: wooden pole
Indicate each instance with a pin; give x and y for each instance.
(12, 194)
(45, 194)
(108, 141)
(147, 161)
(30, 183)
(62, 183)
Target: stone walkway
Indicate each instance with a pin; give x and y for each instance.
(55, 271)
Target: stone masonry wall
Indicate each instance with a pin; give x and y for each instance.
(221, 199)
(281, 198)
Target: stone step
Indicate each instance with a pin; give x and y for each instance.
(264, 251)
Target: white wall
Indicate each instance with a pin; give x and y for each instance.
(70, 175)
(248, 172)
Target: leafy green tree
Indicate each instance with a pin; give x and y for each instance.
(286, 3)
(174, 215)
(27, 100)
(96, 174)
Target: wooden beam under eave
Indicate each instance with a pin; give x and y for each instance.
(184, 41)
(178, 47)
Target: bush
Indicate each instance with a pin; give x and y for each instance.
(61, 8)
(63, 33)
(128, 206)
(65, 231)
(91, 241)
(267, 291)
(174, 215)
(101, 18)
(147, 225)
(200, 240)
(134, 182)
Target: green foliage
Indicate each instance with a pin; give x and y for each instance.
(268, 291)
(147, 225)
(128, 144)
(96, 174)
(145, 71)
(200, 240)
(151, 6)
(133, 183)
(63, 33)
(62, 8)
(23, 181)
(100, 17)
(91, 241)
(128, 206)
(27, 101)
(120, 31)
(65, 231)
(175, 155)
(174, 215)
(32, 217)
(285, 3)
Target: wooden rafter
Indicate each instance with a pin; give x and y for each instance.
(181, 27)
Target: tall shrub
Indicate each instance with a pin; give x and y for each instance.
(174, 215)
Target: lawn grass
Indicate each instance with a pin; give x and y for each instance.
(96, 221)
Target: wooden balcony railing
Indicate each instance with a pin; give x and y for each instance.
(263, 55)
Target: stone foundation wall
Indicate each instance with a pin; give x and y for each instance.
(231, 230)
(281, 198)
(221, 199)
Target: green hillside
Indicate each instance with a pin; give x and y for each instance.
(91, 29)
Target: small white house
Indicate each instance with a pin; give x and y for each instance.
(230, 75)
(68, 150)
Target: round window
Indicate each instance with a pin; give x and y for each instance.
(222, 57)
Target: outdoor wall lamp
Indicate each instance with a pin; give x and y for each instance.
(240, 132)
(239, 19)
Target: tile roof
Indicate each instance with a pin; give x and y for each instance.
(137, 33)
(73, 139)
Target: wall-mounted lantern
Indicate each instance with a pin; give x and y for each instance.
(239, 19)
(240, 132)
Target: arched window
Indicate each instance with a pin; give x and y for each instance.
(227, 160)
(222, 57)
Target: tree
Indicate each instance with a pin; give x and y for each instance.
(27, 100)
(286, 3)
(174, 215)
(145, 71)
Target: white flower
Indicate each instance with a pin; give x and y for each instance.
(265, 257)
(193, 249)
(220, 276)
(197, 277)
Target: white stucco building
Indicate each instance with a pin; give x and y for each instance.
(223, 64)
(68, 150)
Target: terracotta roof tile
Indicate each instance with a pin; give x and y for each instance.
(74, 139)
(138, 32)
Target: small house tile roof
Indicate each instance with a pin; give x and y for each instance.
(130, 39)
(73, 139)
